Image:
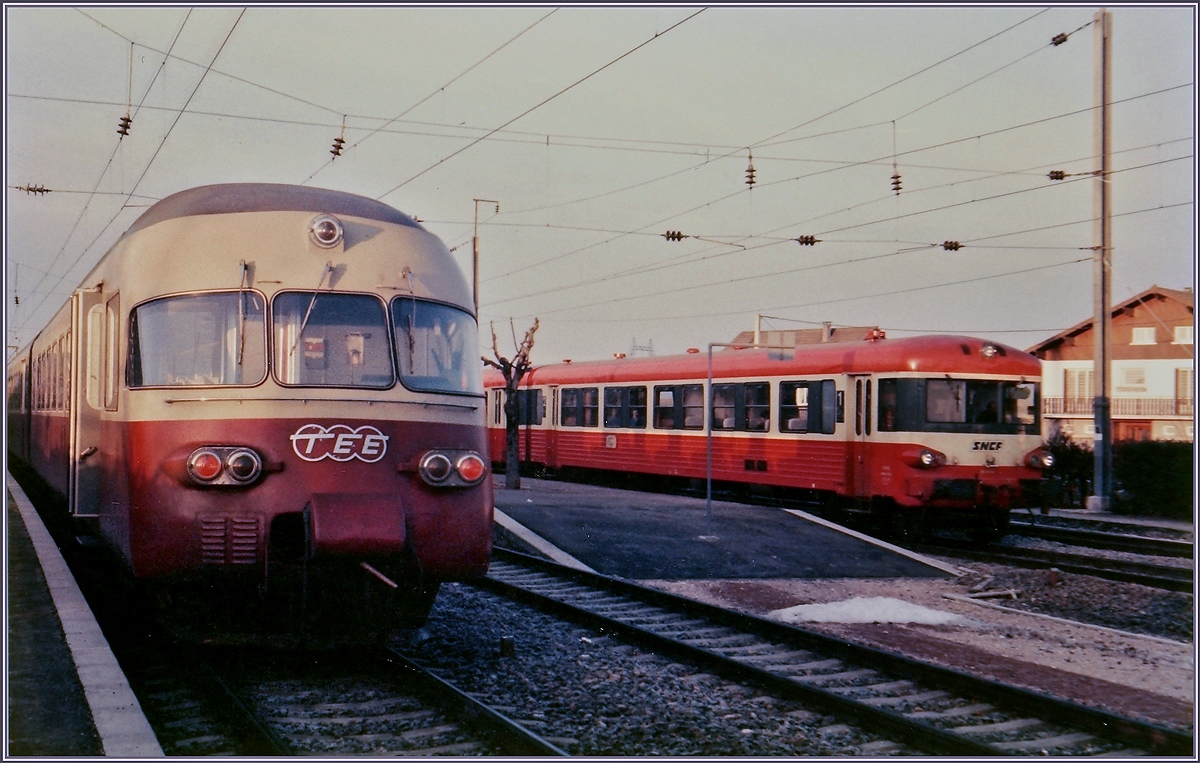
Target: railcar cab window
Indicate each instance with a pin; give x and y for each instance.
(742, 407)
(679, 406)
(958, 405)
(436, 346)
(198, 340)
(327, 339)
(809, 406)
(579, 407)
(625, 407)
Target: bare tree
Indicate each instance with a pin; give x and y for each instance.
(512, 370)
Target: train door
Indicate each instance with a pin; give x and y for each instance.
(860, 472)
(552, 430)
(88, 398)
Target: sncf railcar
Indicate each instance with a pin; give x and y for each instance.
(267, 400)
(917, 432)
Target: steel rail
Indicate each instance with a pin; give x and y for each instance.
(1110, 541)
(1155, 738)
(514, 738)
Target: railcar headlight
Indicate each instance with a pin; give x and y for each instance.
(925, 458)
(204, 465)
(470, 467)
(1040, 459)
(325, 231)
(224, 465)
(452, 468)
(243, 465)
(436, 468)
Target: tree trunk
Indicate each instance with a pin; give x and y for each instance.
(512, 437)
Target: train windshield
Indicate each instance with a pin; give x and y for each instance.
(325, 339)
(958, 405)
(198, 340)
(437, 347)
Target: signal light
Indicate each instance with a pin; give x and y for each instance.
(674, 235)
(126, 123)
(338, 142)
(1057, 175)
(951, 246)
(896, 183)
(807, 240)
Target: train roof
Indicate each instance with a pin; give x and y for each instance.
(226, 198)
(937, 354)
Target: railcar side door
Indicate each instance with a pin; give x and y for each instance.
(87, 399)
(552, 430)
(860, 462)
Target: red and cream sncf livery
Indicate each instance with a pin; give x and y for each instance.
(920, 431)
(267, 400)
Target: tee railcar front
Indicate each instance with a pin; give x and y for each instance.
(921, 431)
(268, 398)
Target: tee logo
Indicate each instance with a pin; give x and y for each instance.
(312, 442)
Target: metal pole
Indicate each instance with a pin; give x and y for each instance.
(475, 254)
(1102, 444)
(708, 411)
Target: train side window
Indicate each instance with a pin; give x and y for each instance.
(867, 409)
(112, 344)
(591, 407)
(664, 408)
(858, 406)
(569, 404)
(725, 407)
(887, 405)
(758, 406)
(93, 367)
(637, 408)
(531, 406)
(809, 406)
(693, 406)
(616, 400)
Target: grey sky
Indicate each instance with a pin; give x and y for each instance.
(599, 129)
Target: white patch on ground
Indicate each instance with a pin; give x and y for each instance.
(877, 609)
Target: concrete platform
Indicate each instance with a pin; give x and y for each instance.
(67, 695)
(647, 536)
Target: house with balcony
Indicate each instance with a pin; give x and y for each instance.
(1152, 359)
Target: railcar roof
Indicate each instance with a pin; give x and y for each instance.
(227, 198)
(938, 354)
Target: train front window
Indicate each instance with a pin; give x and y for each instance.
(325, 339)
(437, 347)
(958, 405)
(198, 340)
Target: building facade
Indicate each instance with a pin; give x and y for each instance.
(1152, 358)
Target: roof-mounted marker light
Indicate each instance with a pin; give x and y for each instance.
(325, 231)
(988, 351)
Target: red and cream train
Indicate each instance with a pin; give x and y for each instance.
(922, 432)
(266, 399)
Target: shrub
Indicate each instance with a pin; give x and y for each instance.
(1153, 477)
(1069, 482)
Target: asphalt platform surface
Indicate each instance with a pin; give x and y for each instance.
(649, 536)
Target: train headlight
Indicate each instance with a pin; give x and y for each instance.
(1040, 459)
(325, 231)
(435, 468)
(452, 468)
(204, 465)
(925, 458)
(471, 468)
(228, 465)
(243, 465)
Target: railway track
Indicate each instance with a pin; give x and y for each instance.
(928, 709)
(1151, 574)
(1109, 541)
(371, 704)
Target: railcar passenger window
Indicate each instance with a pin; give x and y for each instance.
(741, 407)
(216, 339)
(625, 407)
(579, 407)
(437, 347)
(679, 406)
(808, 406)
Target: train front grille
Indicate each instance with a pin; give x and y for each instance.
(229, 540)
